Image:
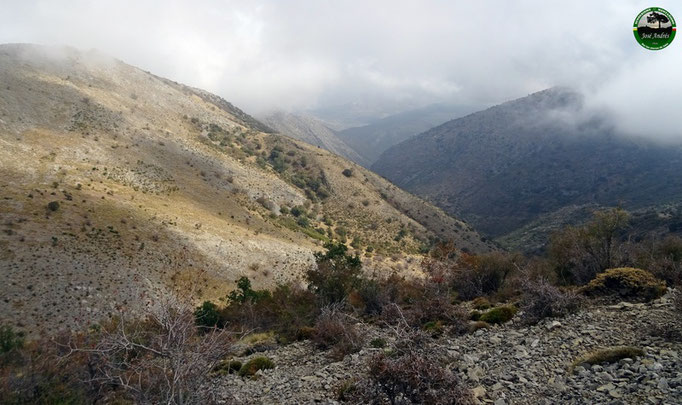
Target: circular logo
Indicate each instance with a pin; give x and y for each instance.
(654, 28)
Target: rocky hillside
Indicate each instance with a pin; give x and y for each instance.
(504, 167)
(310, 130)
(508, 364)
(115, 183)
(371, 140)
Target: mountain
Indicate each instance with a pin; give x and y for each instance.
(506, 166)
(116, 184)
(311, 130)
(371, 140)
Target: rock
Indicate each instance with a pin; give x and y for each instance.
(500, 401)
(478, 392)
(553, 325)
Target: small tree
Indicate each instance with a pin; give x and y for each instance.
(336, 274)
(207, 315)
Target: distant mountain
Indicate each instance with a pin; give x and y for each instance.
(370, 141)
(116, 185)
(509, 165)
(311, 130)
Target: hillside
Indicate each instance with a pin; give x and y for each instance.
(371, 140)
(309, 129)
(506, 166)
(116, 184)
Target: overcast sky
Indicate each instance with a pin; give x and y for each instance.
(294, 55)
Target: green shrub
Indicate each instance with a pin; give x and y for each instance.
(499, 314)
(244, 293)
(252, 366)
(336, 274)
(378, 343)
(10, 340)
(435, 328)
(207, 315)
(53, 206)
(347, 172)
(227, 367)
(608, 355)
(626, 282)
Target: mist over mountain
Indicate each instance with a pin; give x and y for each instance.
(371, 140)
(311, 130)
(505, 166)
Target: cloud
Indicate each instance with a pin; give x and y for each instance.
(297, 54)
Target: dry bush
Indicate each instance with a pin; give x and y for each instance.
(410, 374)
(335, 330)
(162, 359)
(476, 276)
(541, 300)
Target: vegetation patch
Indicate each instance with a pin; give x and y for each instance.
(499, 314)
(608, 355)
(627, 283)
(251, 367)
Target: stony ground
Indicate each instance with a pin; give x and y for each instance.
(510, 364)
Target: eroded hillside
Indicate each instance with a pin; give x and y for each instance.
(115, 183)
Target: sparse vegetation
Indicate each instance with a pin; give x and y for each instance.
(251, 367)
(608, 355)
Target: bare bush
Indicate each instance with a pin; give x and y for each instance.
(162, 359)
(335, 329)
(409, 375)
(543, 300)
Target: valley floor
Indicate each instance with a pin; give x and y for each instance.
(510, 364)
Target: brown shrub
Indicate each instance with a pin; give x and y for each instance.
(543, 300)
(334, 330)
(409, 375)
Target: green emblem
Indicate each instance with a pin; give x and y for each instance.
(654, 28)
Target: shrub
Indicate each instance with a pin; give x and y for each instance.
(409, 375)
(251, 367)
(626, 282)
(499, 314)
(244, 293)
(478, 325)
(227, 367)
(476, 276)
(207, 315)
(336, 274)
(608, 355)
(481, 303)
(347, 172)
(542, 300)
(10, 340)
(53, 206)
(334, 330)
(580, 253)
(378, 343)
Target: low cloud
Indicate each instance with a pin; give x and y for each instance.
(298, 55)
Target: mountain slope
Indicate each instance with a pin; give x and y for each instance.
(117, 185)
(313, 131)
(371, 140)
(504, 167)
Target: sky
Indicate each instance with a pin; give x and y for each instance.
(385, 56)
